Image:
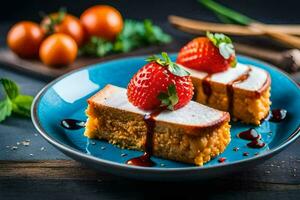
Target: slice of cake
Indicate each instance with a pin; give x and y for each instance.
(222, 83)
(193, 134)
(244, 91)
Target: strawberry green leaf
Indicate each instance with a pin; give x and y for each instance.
(11, 88)
(170, 98)
(226, 50)
(5, 109)
(167, 62)
(177, 70)
(223, 43)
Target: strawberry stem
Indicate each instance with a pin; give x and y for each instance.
(166, 61)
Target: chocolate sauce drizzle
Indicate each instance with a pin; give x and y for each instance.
(229, 88)
(145, 159)
(206, 85)
(72, 124)
(255, 138)
(277, 115)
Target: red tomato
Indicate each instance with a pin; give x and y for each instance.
(58, 49)
(69, 25)
(24, 39)
(102, 21)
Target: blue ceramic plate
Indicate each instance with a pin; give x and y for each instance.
(66, 97)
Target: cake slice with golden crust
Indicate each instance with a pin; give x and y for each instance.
(244, 91)
(192, 134)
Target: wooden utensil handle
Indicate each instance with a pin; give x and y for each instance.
(198, 26)
(290, 40)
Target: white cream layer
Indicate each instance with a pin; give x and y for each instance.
(256, 80)
(193, 114)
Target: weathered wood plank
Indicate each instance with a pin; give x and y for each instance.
(272, 172)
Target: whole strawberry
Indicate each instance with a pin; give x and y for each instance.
(213, 53)
(160, 83)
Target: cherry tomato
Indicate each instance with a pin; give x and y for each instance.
(58, 49)
(24, 39)
(64, 23)
(102, 21)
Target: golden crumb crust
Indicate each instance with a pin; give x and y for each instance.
(128, 130)
(248, 106)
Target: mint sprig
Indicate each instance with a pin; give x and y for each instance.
(14, 102)
(166, 61)
(170, 98)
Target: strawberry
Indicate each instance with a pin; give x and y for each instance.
(214, 53)
(160, 83)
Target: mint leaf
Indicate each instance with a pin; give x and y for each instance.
(14, 102)
(24, 101)
(170, 98)
(5, 109)
(11, 88)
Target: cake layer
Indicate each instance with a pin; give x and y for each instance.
(257, 81)
(244, 91)
(193, 115)
(193, 134)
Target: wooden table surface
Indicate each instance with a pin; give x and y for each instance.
(30, 168)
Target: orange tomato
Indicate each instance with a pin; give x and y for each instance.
(69, 25)
(24, 39)
(58, 49)
(102, 21)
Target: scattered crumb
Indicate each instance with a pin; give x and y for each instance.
(31, 154)
(236, 149)
(18, 143)
(42, 148)
(35, 134)
(14, 147)
(162, 164)
(26, 143)
(123, 154)
(245, 154)
(102, 148)
(267, 172)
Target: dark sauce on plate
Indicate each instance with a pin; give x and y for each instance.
(277, 115)
(255, 138)
(145, 159)
(72, 124)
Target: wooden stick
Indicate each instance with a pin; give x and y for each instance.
(284, 38)
(198, 27)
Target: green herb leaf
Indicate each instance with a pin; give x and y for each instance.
(14, 102)
(11, 88)
(169, 99)
(227, 12)
(24, 101)
(5, 109)
(134, 35)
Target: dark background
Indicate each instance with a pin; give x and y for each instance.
(268, 11)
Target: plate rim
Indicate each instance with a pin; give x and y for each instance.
(72, 151)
